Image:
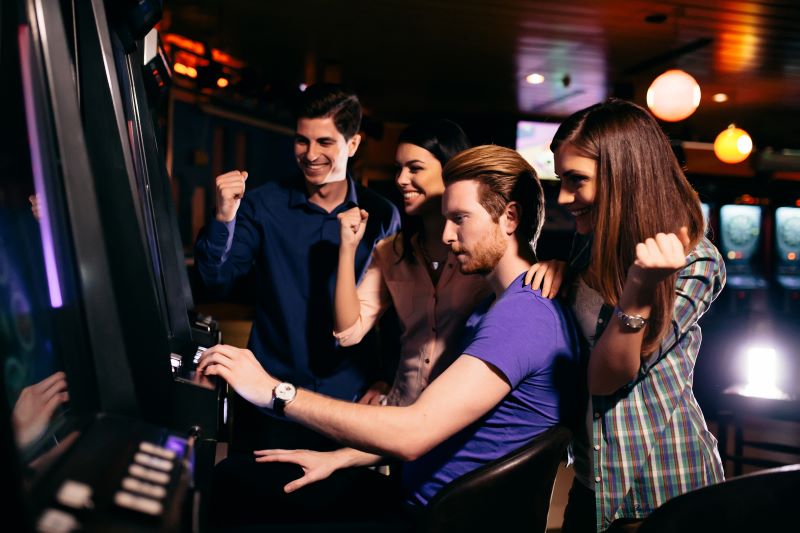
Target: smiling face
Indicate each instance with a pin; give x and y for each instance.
(322, 151)
(477, 241)
(419, 178)
(578, 186)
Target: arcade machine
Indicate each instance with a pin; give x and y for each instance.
(741, 243)
(81, 456)
(139, 228)
(787, 250)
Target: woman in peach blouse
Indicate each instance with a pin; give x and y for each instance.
(412, 270)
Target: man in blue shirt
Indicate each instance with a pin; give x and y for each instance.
(289, 232)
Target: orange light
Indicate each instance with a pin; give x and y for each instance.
(222, 83)
(731, 255)
(673, 96)
(190, 60)
(720, 97)
(180, 68)
(191, 72)
(733, 145)
(226, 59)
(791, 256)
(797, 202)
(184, 42)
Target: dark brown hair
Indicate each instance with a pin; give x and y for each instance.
(641, 191)
(325, 100)
(504, 177)
(443, 139)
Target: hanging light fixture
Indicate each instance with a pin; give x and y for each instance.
(673, 96)
(733, 145)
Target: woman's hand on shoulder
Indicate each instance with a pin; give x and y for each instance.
(547, 275)
(659, 257)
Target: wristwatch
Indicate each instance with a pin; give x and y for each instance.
(634, 322)
(282, 395)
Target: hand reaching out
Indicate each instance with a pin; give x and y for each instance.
(240, 368)
(316, 465)
(35, 407)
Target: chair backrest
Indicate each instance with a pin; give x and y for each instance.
(511, 492)
(763, 501)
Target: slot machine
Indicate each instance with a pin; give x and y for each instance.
(740, 239)
(81, 456)
(139, 225)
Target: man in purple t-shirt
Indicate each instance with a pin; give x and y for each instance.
(518, 371)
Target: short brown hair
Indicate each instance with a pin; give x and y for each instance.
(325, 100)
(504, 177)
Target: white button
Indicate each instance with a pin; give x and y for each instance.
(153, 461)
(599, 320)
(76, 495)
(597, 479)
(152, 449)
(148, 489)
(149, 475)
(138, 503)
(55, 521)
(596, 447)
(597, 415)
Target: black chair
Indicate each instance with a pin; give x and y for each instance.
(511, 493)
(763, 501)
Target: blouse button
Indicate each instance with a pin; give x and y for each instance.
(427, 361)
(599, 320)
(596, 447)
(597, 415)
(597, 479)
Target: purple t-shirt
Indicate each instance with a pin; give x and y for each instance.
(532, 342)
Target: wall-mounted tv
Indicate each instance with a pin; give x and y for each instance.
(533, 143)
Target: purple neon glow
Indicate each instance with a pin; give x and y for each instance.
(53, 282)
(176, 444)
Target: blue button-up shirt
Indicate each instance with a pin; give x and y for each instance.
(294, 246)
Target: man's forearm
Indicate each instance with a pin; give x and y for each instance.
(350, 458)
(394, 431)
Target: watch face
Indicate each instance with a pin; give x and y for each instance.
(285, 391)
(636, 322)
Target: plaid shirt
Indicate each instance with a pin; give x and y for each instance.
(649, 439)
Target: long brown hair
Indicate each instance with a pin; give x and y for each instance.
(641, 191)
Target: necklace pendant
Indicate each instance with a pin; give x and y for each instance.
(435, 265)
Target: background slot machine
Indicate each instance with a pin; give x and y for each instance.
(787, 247)
(80, 456)
(741, 240)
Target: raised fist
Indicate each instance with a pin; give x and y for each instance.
(230, 190)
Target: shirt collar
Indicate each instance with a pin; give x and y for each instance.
(298, 196)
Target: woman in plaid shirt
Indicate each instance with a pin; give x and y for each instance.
(644, 274)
